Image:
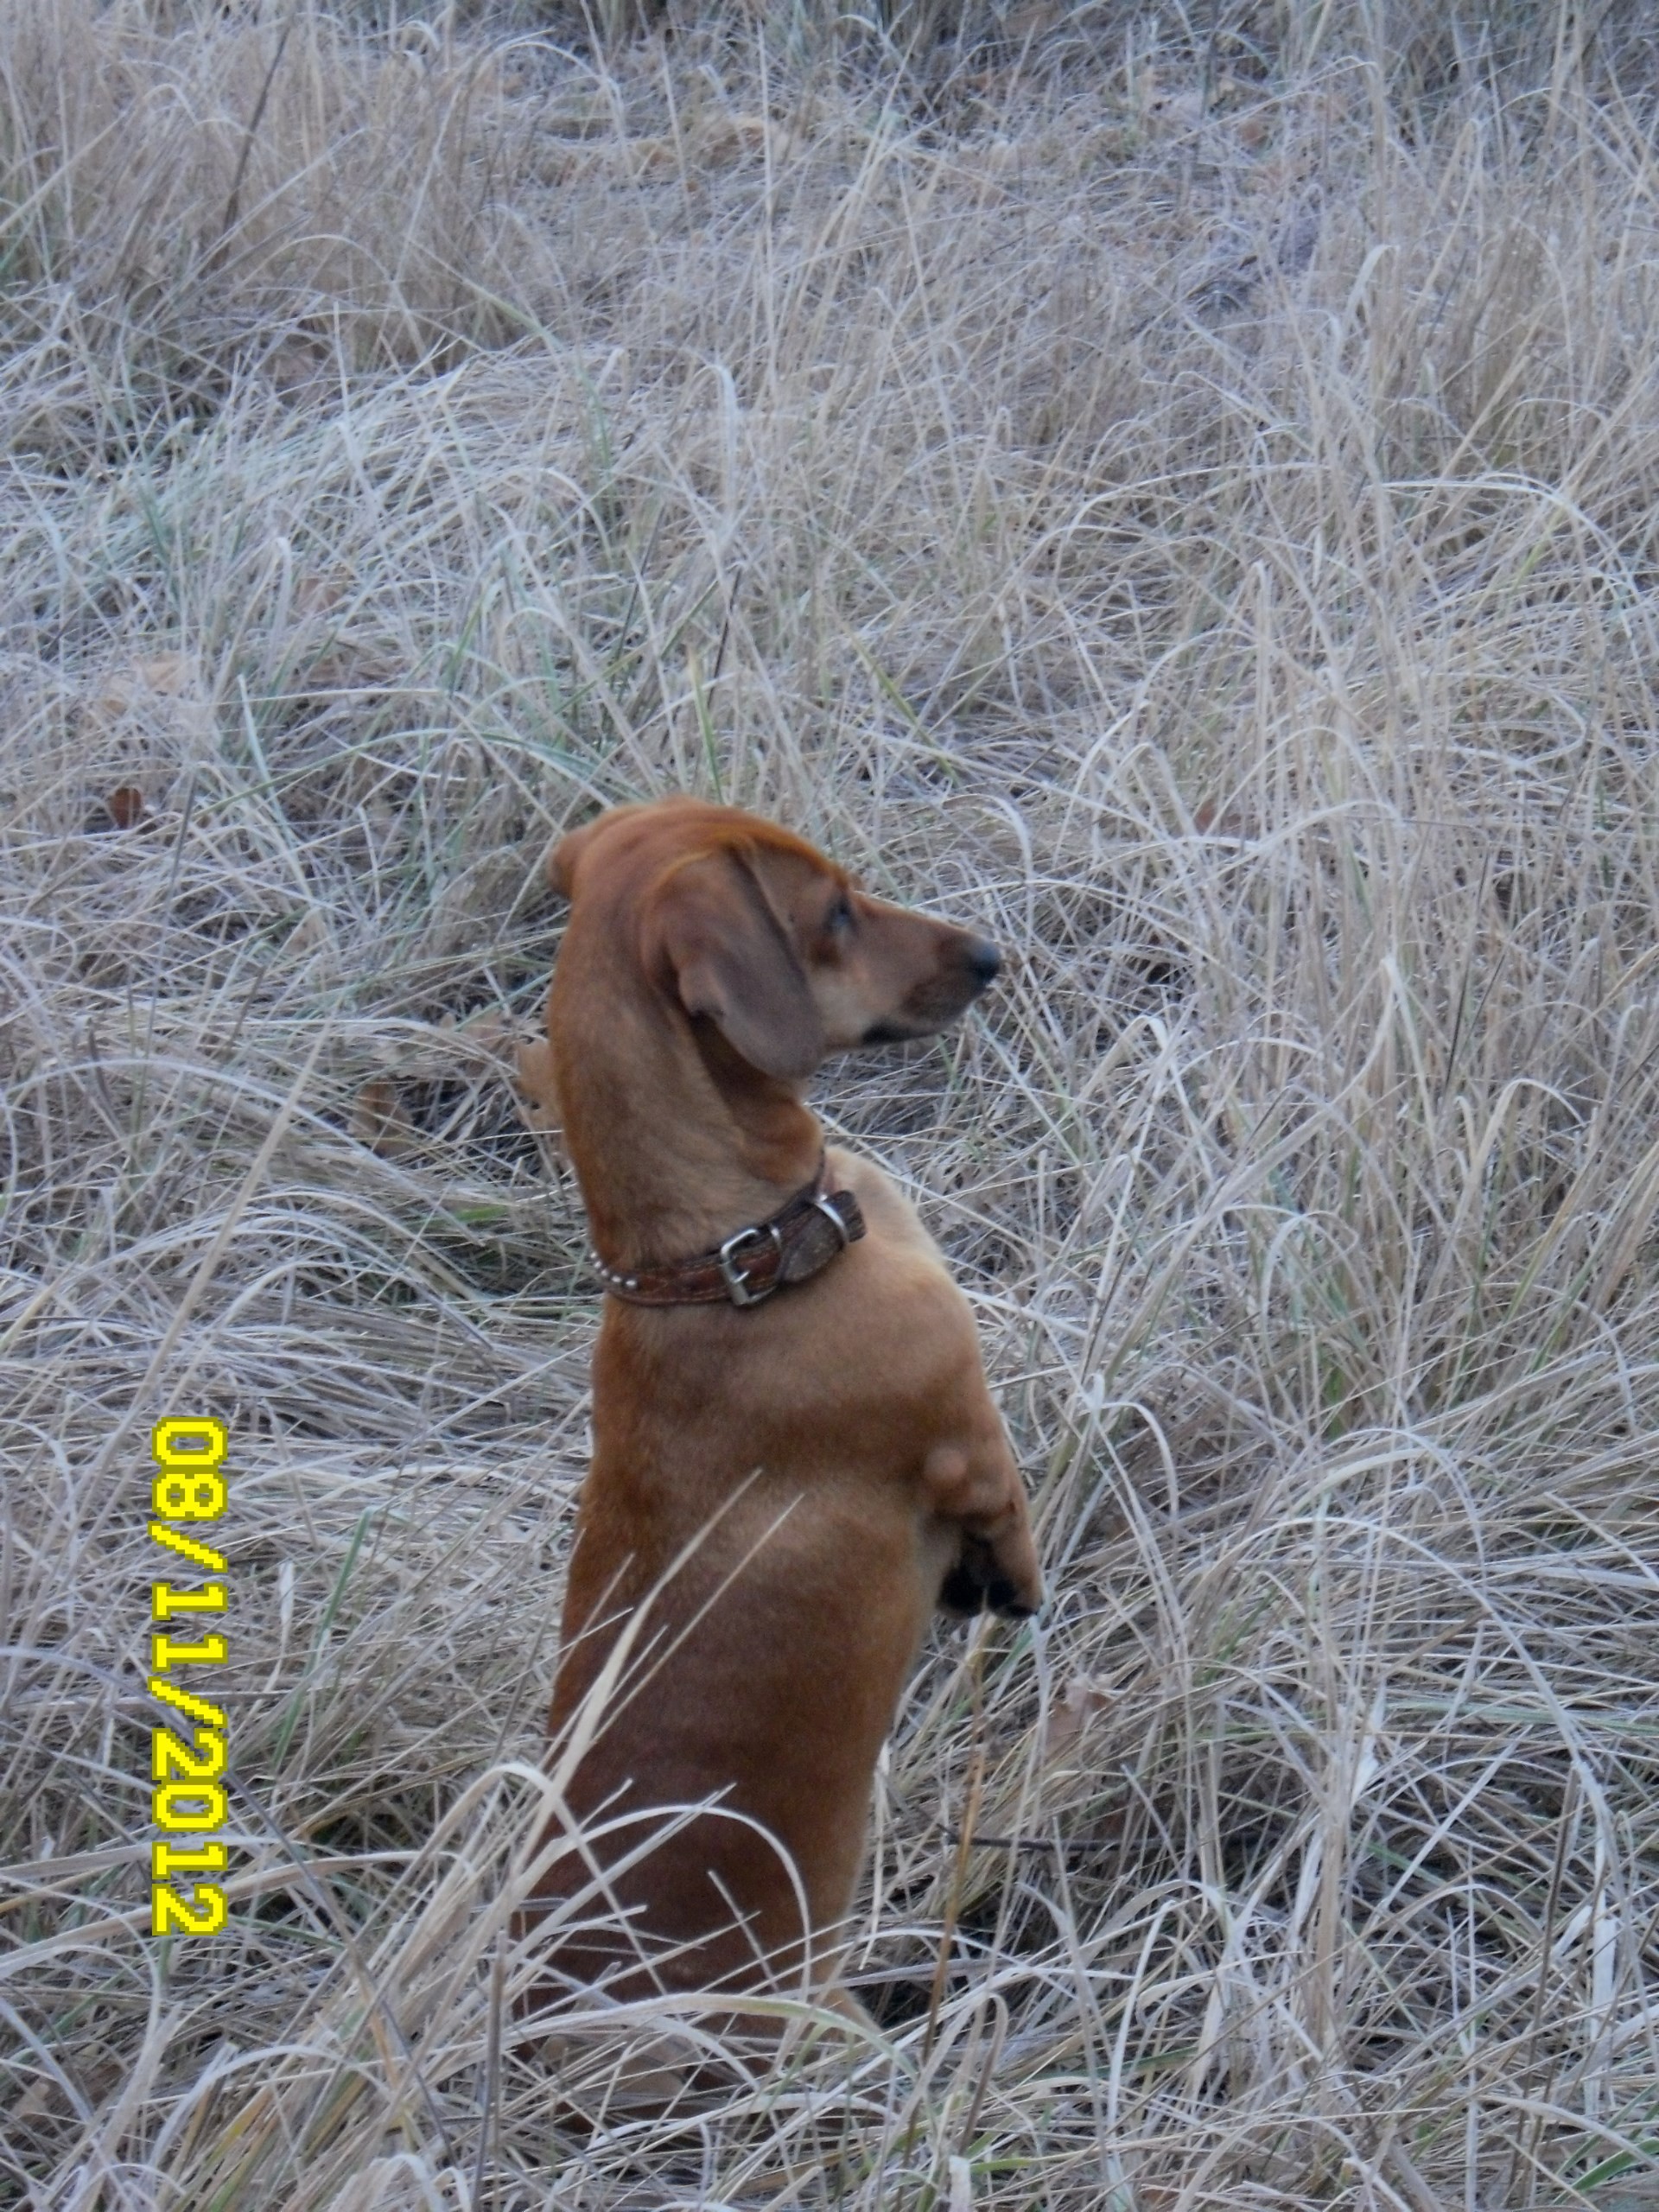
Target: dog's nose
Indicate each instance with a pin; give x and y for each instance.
(984, 959)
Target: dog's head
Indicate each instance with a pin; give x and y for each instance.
(746, 926)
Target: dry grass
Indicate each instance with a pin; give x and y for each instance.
(1204, 526)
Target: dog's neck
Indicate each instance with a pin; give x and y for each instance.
(676, 1142)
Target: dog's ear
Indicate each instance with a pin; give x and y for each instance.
(562, 860)
(733, 961)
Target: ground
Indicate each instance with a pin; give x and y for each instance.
(1187, 508)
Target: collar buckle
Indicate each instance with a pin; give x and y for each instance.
(736, 1276)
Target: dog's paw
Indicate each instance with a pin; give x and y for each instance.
(976, 1584)
(961, 1592)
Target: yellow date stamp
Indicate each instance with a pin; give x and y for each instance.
(187, 1756)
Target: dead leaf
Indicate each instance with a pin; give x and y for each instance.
(309, 933)
(36, 2098)
(1029, 20)
(124, 806)
(1081, 1701)
(493, 1036)
(1253, 131)
(320, 597)
(381, 1121)
(162, 690)
(170, 674)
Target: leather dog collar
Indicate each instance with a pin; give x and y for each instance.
(789, 1246)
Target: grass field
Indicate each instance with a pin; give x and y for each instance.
(1192, 507)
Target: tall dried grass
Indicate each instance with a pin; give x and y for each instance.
(1205, 530)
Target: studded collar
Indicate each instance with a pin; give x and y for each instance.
(790, 1246)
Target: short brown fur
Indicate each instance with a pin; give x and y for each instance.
(831, 1458)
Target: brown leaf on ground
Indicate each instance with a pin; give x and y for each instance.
(309, 933)
(124, 806)
(381, 1121)
(158, 692)
(162, 675)
(1081, 1701)
(169, 674)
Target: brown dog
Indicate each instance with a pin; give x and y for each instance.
(796, 1457)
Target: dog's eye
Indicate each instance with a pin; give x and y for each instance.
(839, 918)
